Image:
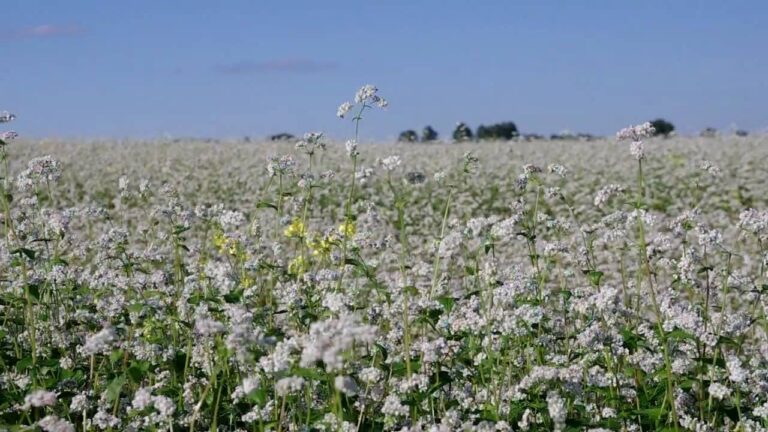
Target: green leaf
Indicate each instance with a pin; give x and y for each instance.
(595, 276)
(137, 370)
(135, 307)
(114, 388)
(679, 334)
(447, 302)
(179, 361)
(24, 364)
(653, 414)
(234, 296)
(630, 339)
(411, 290)
(383, 351)
(258, 396)
(705, 269)
(29, 253)
(312, 374)
(116, 356)
(725, 340)
(34, 291)
(264, 204)
(443, 379)
(487, 247)
(178, 229)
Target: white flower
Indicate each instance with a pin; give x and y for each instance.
(52, 423)
(370, 375)
(557, 410)
(288, 385)
(351, 147)
(736, 372)
(719, 391)
(606, 193)
(636, 133)
(208, 327)
(39, 398)
(393, 407)
(328, 341)
(165, 407)
(142, 398)
(346, 385)
(761, 411)
(391, 162)
(365, 93)
(100, 342)
(6, 117)
(558, 169)
(343, 109)
(711, 168)
(8, 136)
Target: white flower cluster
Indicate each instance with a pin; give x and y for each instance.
(328, 341)
(39, 398)
(101, 342)
(636, 135)
(367, 96)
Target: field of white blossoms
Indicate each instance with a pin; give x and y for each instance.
(608, 285)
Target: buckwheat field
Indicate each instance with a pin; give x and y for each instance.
(617, 284)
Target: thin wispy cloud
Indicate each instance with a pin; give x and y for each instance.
(41, 32)
(298, 66)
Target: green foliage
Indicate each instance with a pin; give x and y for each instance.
(462, 133)
(428, 134)
(500, 132)
(662, 127)
(408, 136)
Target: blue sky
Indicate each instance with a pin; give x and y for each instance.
(146, 68)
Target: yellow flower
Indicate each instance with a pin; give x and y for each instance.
(232, 246)
(298, 266)
(295, 229)
(347, 228)
(225, 244)
(219, 240)
(321, 246)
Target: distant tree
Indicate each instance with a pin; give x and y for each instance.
(483, 133)
(533, 137)
(499, 131)
(741, 133)
(709, 132)
(462, 133)
(585, 136)
(508, 130)
(281, 137)
(428, 134)
(564, 136)
(662, 127)
(408, 136)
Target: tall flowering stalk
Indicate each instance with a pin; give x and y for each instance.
(5, 139)
(365, 98)
(636, 134)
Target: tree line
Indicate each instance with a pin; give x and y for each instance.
(507, 131)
